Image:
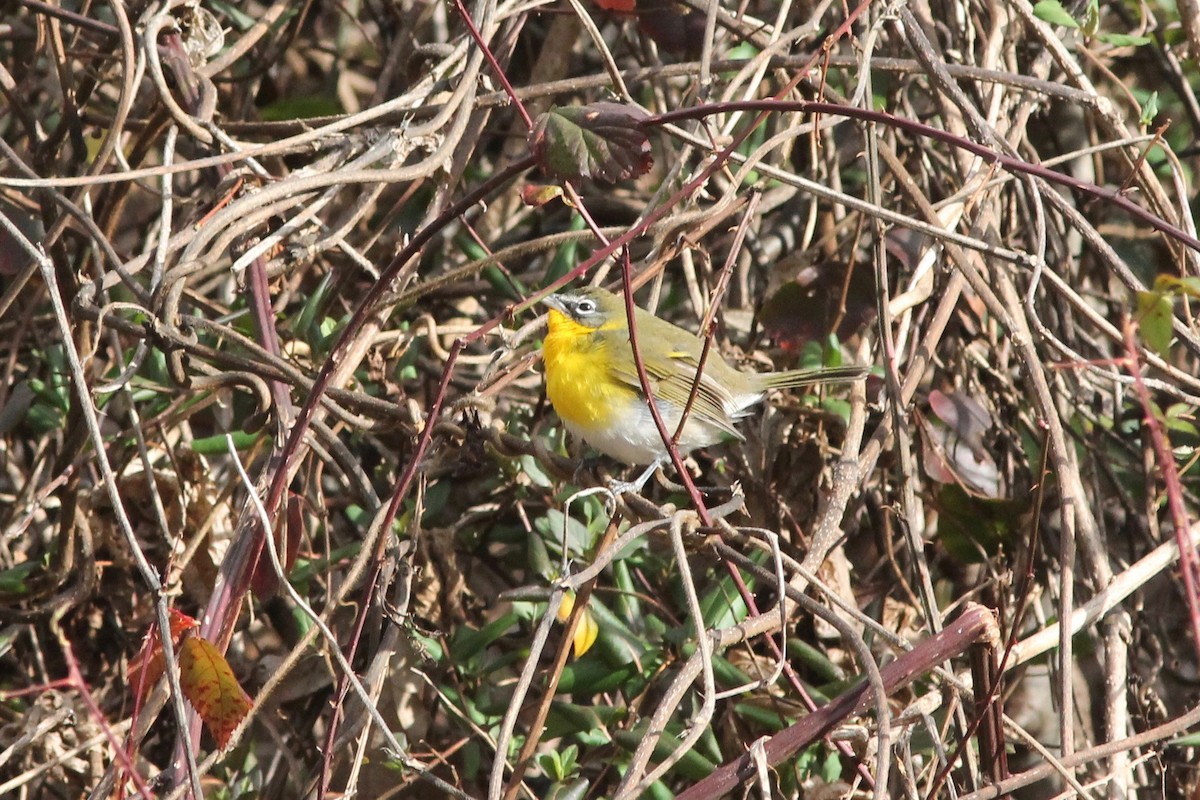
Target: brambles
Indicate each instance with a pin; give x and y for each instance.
(322, 241)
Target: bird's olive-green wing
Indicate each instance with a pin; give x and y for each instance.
(672, 371)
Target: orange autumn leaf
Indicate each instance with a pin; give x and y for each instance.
(539, 194)
(618, 6)
(147, 668)
(210, 686)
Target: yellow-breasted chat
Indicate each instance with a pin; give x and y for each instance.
(592, 380)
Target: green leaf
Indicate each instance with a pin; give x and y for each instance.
(1053, 12)
(1091, 19)
(468, 642)
(538, 556)
(577, 538)
(831, 769)
(533, 469)
(693, 765)
(306, 323)
(552, 766)
(813, 661)
(809, 759)
(973, 529)
(13, 581)
(1124, 40)
(618, 643)
(217, 445)
(566, 256)
(586, 721)
(305, 106)
(1178, 418)
(721, 607)
(767, 716)
(1149, 110)
(1155, 315)
(575, 790)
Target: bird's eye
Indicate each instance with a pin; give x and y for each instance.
(585, 307)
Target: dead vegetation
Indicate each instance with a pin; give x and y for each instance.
(304, 239)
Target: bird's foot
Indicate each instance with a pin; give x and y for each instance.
(635, 486)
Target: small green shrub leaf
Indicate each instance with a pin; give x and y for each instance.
(1155, 314)
(1124, 40)
(1053, 12)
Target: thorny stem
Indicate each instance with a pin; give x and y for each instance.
(708, 329)
(644, 379)
(491, 59)
(1174, 489)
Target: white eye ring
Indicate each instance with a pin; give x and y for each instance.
(585, 307)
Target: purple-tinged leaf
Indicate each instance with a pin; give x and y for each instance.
(604, 141)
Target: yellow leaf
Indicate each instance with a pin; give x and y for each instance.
(585, 633)
(210, 686)
(566, 607)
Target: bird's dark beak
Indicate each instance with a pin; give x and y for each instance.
(556, 302)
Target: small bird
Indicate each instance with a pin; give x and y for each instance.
(592, 380)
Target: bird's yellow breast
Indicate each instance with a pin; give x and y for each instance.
(579, 381)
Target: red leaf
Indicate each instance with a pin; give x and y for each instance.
(618, 6)
(147, 668)
(537, 195)
(209, 685)
(675, 28)
(604, 141)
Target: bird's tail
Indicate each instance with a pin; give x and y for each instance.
(793, 378)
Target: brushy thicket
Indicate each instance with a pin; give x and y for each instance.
(305, 239)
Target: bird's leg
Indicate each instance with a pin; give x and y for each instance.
(635, 486)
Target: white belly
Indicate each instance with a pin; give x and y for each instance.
(636, 440)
